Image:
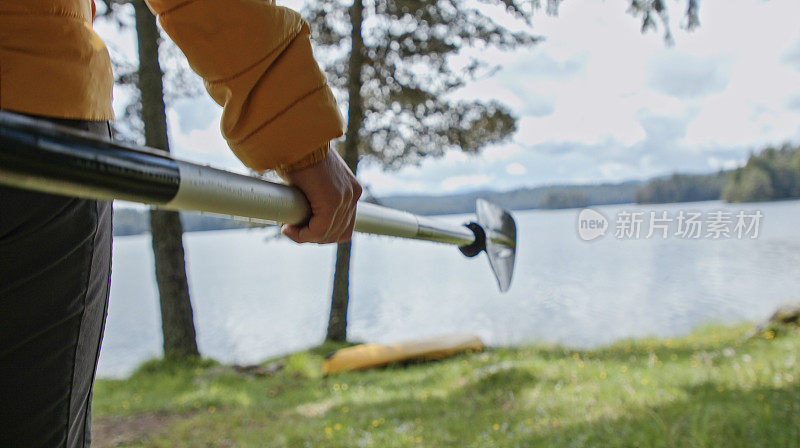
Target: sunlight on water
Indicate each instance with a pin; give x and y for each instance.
(256, 297)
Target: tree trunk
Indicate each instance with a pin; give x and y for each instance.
(340, 298)
(177, 321)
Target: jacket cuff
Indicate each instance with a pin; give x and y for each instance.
(313, 158)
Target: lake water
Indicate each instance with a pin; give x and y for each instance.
(255, 297)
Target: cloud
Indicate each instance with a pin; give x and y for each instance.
(195, 113)
(495, 153)
(686, 77)
(735, 120)
(471, 181)
(516, 169)
(543, 65)
(578, 120)
(663, 128)
(538, 107)
(378, 181)
(202, 145)
(793, 103)
(558, 163)
(792, 56)
(612, 170)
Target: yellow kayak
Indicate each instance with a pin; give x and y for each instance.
(365, 356)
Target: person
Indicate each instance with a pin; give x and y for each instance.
(55, 252)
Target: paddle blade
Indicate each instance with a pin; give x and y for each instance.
(501, 240)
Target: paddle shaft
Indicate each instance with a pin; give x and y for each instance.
(38, 155)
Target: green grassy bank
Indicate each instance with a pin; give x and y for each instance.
(716, 387)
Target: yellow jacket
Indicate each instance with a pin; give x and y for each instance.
(255, 58)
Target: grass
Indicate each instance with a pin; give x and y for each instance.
(713, 388)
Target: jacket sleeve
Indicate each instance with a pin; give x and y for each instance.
(257, 63)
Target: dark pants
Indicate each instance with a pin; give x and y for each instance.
(55, 264)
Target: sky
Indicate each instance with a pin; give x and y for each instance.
(597, 101)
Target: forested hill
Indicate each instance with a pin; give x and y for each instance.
(772, 174)
(683, 188)
(553, 196)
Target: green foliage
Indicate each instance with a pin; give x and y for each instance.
(772, 174)
(682, 188)
(713, 388)
(407, 73)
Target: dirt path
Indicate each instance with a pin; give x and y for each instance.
(116, 431)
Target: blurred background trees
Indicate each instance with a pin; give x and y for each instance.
(682, 188)
(564, 199)
(772, 174)
(146, 116)
(393, 64)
